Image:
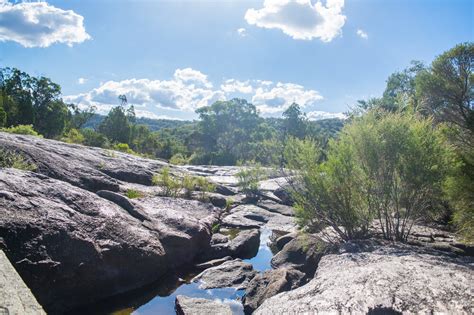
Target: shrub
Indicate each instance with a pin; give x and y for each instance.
(204, 187)
(248, 179)
(132, 193)
(73, 136)
(179, 159)
(188, 183)
(170, 185)
(388, 167)
(22, 130)
(94, 139)
(15, 160)
(123, 147)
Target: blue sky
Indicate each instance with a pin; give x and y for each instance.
(171, 57)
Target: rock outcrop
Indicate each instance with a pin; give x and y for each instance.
(196, 306)
(382, 279)
(235, 273)
(268, 284)
(244, 245)
(73, 247)
(15, 296)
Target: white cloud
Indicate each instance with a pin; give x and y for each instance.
(300, 19)
(362, 34)
(81, 80)
(190, 89)
(274, 98)
(232, 86)
(38, 24)
(318, 115)
(242, 32)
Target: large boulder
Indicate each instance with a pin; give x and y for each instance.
(73, 247)
(235, 273)
(244, 245)
(382, 279)
(302, 253)
(197, 306)
(268, 284)
(86, 167)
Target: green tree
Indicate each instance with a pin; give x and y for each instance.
(295, 122)
(116, 126)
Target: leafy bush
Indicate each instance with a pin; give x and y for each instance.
(94, 139)
(204, 186)
(248, 179)
(22, 130)
(179, 159)
(123, 147)
(15, 160)
(388, 167)
(73, 136)
(170, 185)
(132, 193)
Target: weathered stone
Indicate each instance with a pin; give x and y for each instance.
(56, 235)
(224, 190)
(276, 207)
(251, 216)
(212, 263)
(218, 238)
(244, 245)
(218, 200)
(86, 167)
(283, 194)
(302, 253)
(268, 284)
(235, 273)
(197, 306)
(283, 240)
(15, 297)
(387, 279)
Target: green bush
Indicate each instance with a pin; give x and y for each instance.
(123, 147)
(94, 139)
(388, 167)
(22, 130)
(248, 179)
(204, 187)
(15, 160)
(132, 193)
(179, 159)
(73, 136)
(171, 186)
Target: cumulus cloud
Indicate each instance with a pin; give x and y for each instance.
(300, 19)
(242, 32)
(318, 115)
(81, 80)
(362, 34)
(38, 24)
(190, 89)
(273, 98)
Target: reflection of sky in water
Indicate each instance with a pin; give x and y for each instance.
(231, 296)
(165, 305)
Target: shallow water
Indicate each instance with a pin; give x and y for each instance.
(159, 298)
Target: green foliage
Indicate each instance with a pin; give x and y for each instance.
(215, 228)
(132, 194)
(123, 147)
(170, 185)
(388, 167)
(117, 126)
(15, 160)
(94, 139)
(295, 122)
(179, 159)
(73, 136)
(22, 130)
(248, 179)
(204, 187)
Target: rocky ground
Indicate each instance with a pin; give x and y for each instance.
(75, 238)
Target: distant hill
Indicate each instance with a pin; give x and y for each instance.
(153, 124)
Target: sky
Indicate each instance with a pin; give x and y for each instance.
(171, 57)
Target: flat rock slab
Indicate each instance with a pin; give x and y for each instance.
(15, 296)
(235, 273)
(390, 278)
(196, 306)
(273, 206)
(251, 216)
